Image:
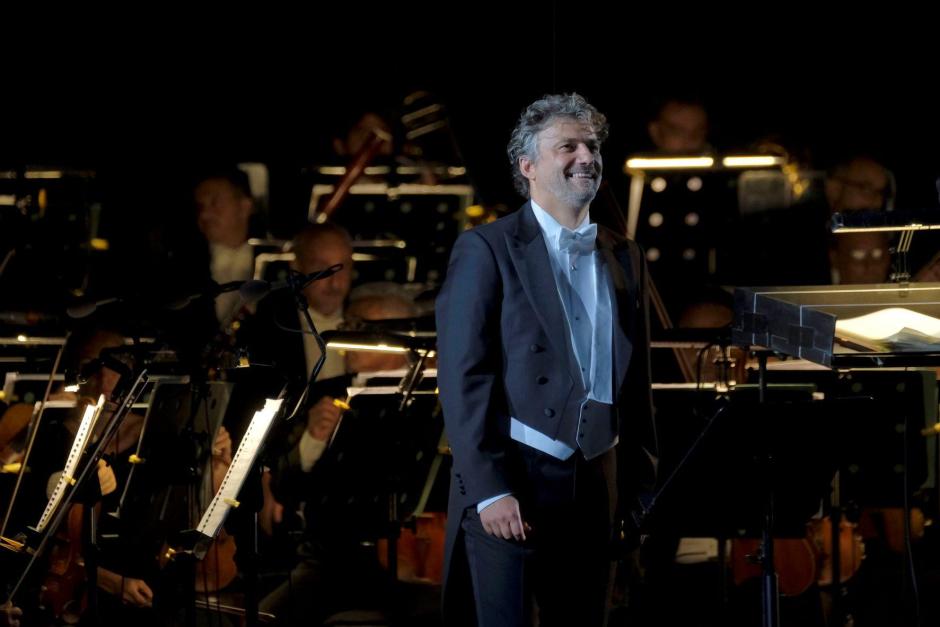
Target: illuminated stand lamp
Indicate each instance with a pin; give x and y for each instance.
(413, 343)
(637, 168)
(905, 222)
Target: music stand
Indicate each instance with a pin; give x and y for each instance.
(747, 477)
(378, 468)
(711, 478)
(81, 462)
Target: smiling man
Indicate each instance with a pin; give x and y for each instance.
(544, 378)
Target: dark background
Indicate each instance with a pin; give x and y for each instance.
(146, 100)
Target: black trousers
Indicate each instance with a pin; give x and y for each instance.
(561, 574)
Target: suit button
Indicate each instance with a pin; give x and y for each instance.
(581, 434)
(549, 412)
(583, 420)
(541, 380)
(535, 348)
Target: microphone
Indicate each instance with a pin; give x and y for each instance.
(212, 291)
(256, 289)
(83, 310)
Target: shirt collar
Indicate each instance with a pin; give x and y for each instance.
(329, 323)
(550, 226)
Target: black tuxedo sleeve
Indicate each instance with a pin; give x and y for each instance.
(470, 361)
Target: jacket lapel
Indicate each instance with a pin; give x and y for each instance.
(615, 251)
(530, 259)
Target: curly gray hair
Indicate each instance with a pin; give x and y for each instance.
(536, 117)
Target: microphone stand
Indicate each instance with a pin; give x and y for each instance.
(297, 286)
(296, 281)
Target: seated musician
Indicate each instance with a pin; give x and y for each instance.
(224, 208)
(859, 258)
(680, 126)
(335, 572)
(217, 250)
(274, 336)
(126, 574)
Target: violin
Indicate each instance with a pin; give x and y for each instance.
(794, 563)
(801, 562)
(851, 549)
(14, 420)
(63, 589)
(886, 524)
(217, 569)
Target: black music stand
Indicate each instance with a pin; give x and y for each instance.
(85, 471)
(378, 468)
(750, 471)
(212, 404)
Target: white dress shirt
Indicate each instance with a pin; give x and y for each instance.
(310, 448)
(226, 265)
(582, 285)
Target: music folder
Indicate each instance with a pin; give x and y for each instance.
(843, 326)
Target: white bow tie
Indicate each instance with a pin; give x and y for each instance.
(578, 242)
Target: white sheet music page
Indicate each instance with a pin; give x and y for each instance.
(242, 462)
(85, 429)
(892, 329)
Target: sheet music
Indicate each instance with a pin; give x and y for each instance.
(364, 383)
(362, 378)
(242, 462)
(89, 418)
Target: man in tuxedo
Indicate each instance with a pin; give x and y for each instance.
(543, 374)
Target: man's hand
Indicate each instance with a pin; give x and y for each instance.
(322, 418)
(221, 457)
(133, 591)
(272, 512)
(137, 593)
(503, 519)
(222, 447)
(10, 615)
(106, 478)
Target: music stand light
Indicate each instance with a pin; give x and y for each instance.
(905, 222)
